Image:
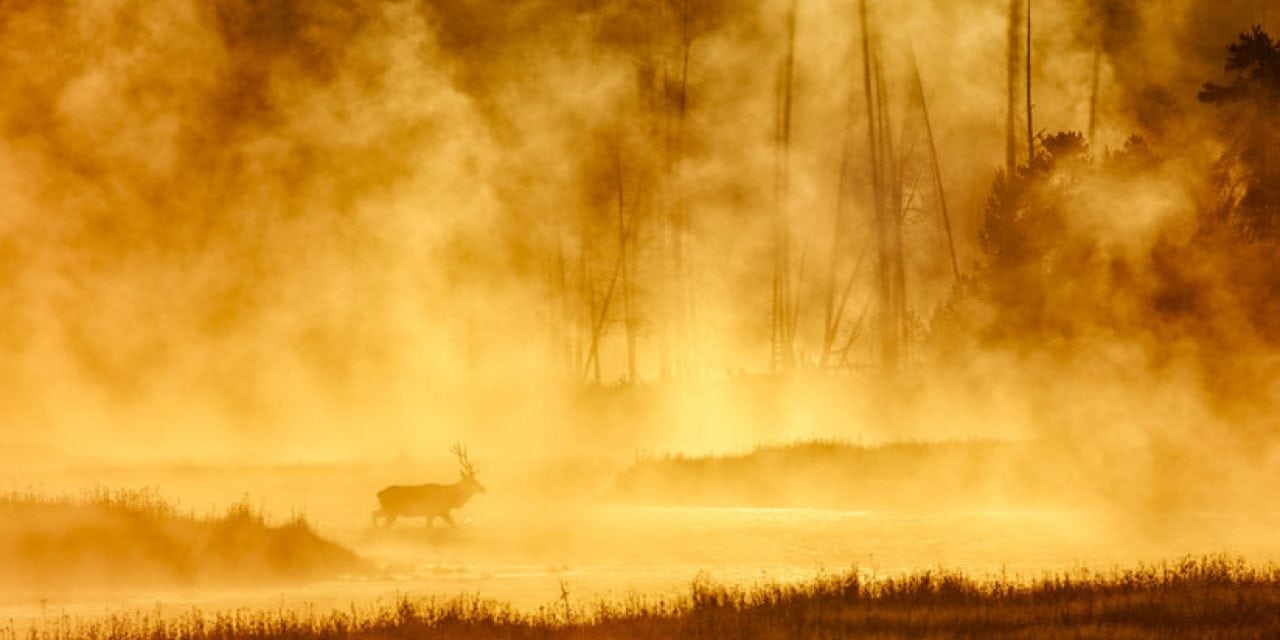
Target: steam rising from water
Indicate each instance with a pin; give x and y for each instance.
(330, 229)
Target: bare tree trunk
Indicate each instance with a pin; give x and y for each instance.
(681, 226)
(937, 170)
(1031, 136)
(666, 318)
(586, 295)
(598, 320)
(893, 212)
(564, 339)
(832, 320)
(1011, 152)
(834, 313)
(628, 320)
(784, 331)
(776, 312)
(1093, 97)
(872, 88)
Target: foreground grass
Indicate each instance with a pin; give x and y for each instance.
(117, 538)
(1196, 598)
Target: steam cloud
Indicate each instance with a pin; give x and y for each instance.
(245, 224)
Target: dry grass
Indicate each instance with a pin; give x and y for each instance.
(1195, 598)
(116, 538)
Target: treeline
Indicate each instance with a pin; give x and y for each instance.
(1077, 243)
(1069, 256)
(645, 189)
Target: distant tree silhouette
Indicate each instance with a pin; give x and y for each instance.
(1249, 171)
(1253, 62)
(1037, 256)
(1134, 158)
(1064, 146)
(1023, 229)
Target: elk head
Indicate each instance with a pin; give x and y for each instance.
(468, 481)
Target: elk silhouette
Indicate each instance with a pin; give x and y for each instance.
(429, 500)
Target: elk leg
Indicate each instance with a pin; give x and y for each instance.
(391, 519)
(375, 514)
(449, 519)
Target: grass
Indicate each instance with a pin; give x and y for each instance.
(120, 538)
(1210, 597)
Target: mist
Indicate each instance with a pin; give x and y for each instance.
(657, 253)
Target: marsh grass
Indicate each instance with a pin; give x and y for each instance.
(124, 537)
(1212, 597)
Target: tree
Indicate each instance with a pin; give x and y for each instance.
(1248, 172)
(1024, 230)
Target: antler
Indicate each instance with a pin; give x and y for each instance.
(461, 453)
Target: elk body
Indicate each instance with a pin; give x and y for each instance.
(429, 501)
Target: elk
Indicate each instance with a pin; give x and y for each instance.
(429, 500)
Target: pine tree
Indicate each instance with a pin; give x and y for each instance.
(1249, 170)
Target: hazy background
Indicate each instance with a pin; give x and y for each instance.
(292, 231)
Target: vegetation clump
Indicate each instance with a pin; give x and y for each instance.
(115, 538)
(832, 473)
